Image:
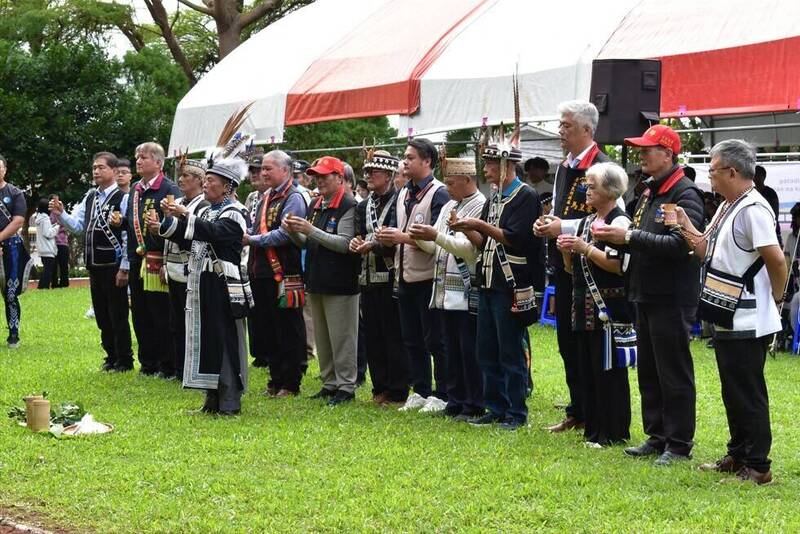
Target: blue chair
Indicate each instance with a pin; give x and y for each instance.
(697, 330)
(546, 317)
(796, 337)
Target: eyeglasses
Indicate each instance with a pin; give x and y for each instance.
(712, 171)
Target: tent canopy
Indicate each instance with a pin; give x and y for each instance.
(448, 64)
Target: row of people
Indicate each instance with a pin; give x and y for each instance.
(454, 270)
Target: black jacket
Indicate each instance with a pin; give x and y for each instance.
(661, 269)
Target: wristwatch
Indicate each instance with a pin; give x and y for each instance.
(628, 235)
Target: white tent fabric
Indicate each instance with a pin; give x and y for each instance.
(472, 78)
(262, 70)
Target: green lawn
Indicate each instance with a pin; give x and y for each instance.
(297, 466)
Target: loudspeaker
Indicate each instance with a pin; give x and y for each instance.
(627, 93)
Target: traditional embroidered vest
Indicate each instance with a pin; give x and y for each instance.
(756, 315)
(176, 256)
(569, 195)
(103, 246)
(453, 278)
(492, 213)
(415, 264)
(329, 272)
(289, 254)
(376, 269)
(611, 285)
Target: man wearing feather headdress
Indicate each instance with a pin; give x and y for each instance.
(506, 305)
(104, 247)
(217, 290)
(140, 267)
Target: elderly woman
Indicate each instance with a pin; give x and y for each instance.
(599, 307)
(331, 278)
(217, 292)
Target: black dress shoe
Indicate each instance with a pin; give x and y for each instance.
(323, 394)
(341, 397)
(122, 367)
(148, 372)
(108, 366)
(484, 420)
(645, 449)
(512, 424)
(669, 458)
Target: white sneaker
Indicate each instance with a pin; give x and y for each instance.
(414, 402)
(433, 405)
(592, 445)
(89, 313)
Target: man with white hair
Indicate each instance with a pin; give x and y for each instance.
(576, 129)
(743, 287)
(276, 276)
(144, 260)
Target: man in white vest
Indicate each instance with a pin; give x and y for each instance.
(419, 202)
(455, 287)
(744, 276)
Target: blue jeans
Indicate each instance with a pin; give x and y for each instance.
(501, 356)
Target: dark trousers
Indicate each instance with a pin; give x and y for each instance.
(386, 354)
(606, 394)
(110, 305)
(150, 310)
(361, 351)
(61, 271)
(177, 322)
(744, 393)
(285, 337)
(567, 343)
(666, 377)
(46, 279)
(421, 328)
(12, 265)
(465, 380)
(256, 329)
(501, 356)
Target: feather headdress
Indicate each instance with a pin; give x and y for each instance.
(193, 166)
(378, 159)
(497, 145)
(228, 159)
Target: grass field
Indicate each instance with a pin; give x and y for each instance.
(295, 465)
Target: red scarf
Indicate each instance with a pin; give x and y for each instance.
(588, 160)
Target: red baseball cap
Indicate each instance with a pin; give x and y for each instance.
(326, 165)
(657, 135)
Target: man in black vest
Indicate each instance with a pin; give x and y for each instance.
(104, 247)
(663, 283)
(145, 258)
(276, 276)
(576, 129)
(386, 355)
(331, 278)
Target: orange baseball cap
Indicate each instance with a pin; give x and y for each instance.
(657, 135)
(326, 165)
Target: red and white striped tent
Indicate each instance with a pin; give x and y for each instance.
(447, 64)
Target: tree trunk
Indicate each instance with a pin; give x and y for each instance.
(160, 17)
(229, 29)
